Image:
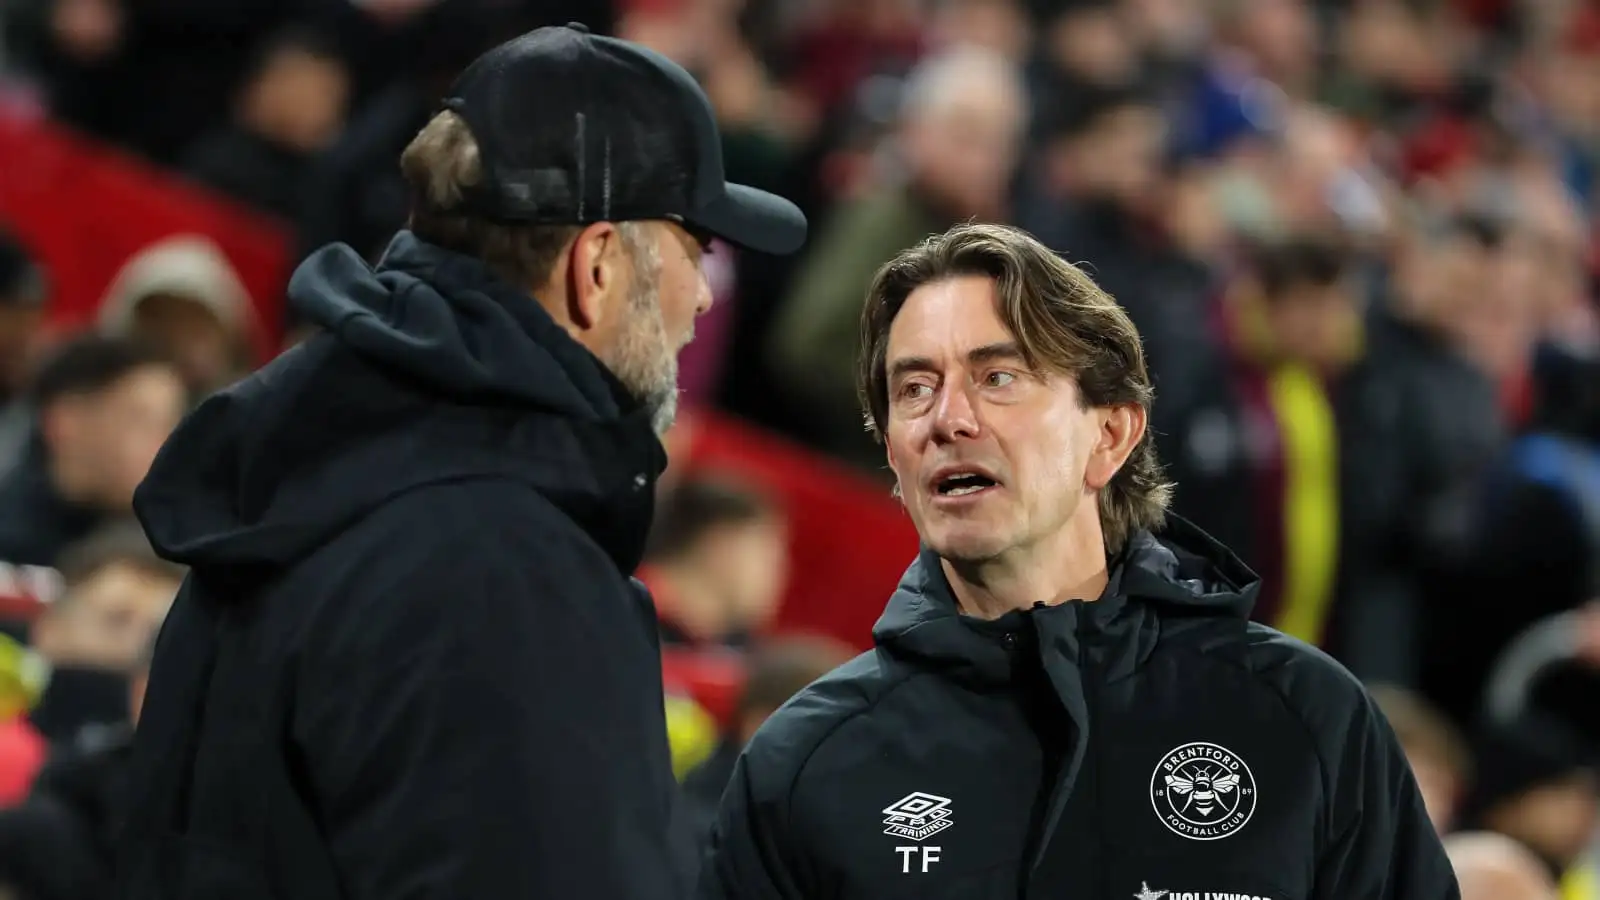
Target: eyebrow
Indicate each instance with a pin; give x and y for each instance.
(1007, 350)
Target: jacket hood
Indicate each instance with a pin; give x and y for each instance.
(1184, 571)
(427, 369)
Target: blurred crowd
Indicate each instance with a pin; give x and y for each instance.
(1358, 237)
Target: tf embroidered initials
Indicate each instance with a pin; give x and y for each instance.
(917, 816)
(930, 855)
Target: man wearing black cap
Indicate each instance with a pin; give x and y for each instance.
(409, 661)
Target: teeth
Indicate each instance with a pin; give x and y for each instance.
(964, 489)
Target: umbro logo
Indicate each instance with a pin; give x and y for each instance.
(917, 816)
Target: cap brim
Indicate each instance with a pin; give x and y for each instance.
(753, 219)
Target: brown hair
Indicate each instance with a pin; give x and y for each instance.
(441, 164)
(119, 543)
(1062, 322)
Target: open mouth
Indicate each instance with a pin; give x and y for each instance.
(963, 484)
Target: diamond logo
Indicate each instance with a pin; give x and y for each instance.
(917, 816)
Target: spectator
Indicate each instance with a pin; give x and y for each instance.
(117, 592)
(183, 296)
(150, 77)
(1000, 26)
(102, 407)
(1437, 752)
(716, 564)
(962, 115)
(1536, 783)
(1094, 194)
(1334, 527)
(23, 749)
(691, 732)
(60, 844)
(1537, 533)
(291, 108)
(776, 671)
(1085, 48)
(1492, 866)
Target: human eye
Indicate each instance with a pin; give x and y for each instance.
(915, 390)
(999, 378)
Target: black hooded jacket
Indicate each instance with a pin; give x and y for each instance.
(1151, 744)
(408, 661)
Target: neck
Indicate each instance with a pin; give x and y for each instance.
(1070, 565)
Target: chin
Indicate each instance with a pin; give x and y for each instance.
(966, 544)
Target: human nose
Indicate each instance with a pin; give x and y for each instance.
(955, 416)
(706, 298)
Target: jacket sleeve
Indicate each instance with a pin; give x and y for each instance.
(1382, 846)
(484, 721)
(752, 852)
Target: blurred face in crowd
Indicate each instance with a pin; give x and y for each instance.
(1092, 44)
(1440, 786)
(299, 100)
(1118, 158)
(1317, 147)
(191, 333)
(962, 147)
(1493, 321)
(1555, 820)
(1280, 34)
(748, 564)
(1436, 277)
(997, 25)
(1311, 323)
(636, 307)
(962, 401)
(1554, 242)
(107, 621)
(86, 31)
(102, 444)
(1387, 41)
(1168, 27)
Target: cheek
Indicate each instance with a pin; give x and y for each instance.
(900, 444)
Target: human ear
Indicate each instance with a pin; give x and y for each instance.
(1120, 428)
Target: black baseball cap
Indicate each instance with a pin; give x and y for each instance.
(574, 128)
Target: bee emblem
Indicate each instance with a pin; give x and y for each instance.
(1203, 791)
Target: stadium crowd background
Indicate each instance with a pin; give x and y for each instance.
(1358, 236)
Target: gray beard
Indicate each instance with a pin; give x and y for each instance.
(642, 359)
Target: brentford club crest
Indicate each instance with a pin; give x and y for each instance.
(1203, 791)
